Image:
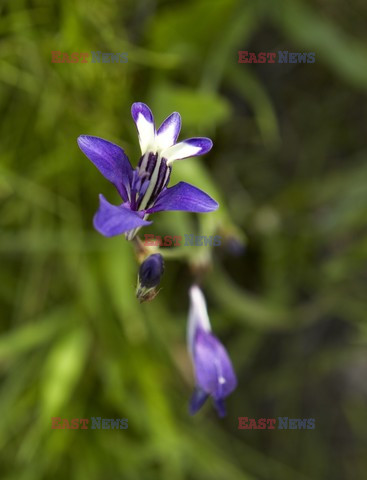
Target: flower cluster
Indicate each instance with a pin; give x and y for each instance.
(144, 191)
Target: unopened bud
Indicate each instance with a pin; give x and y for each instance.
(150, 273)
(235, 246)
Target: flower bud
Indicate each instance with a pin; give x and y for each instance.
(235, 246)
(150, 273)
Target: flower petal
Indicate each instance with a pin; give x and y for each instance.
(213, 368)
(185, 197)
(169, 130)
(198, 316)
(198, 399)
(111, 161)
(188, 148)
(113, 220)
(144, 122)
(220, 407)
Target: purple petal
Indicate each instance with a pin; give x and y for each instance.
(213, 368)
(144, 122)
(110, 160)
(220, 407)
(113, 220)
(138, 108)
(169, 130)
(188, 148)
(198, 399)
(186, 197)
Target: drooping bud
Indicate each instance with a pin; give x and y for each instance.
(214, 374)
(235, 246)
(234, 240)
(150, 274)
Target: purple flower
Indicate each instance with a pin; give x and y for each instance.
(144, 189)
(214, 373)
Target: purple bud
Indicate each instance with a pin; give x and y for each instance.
(235, 246)
(151, 271)
(213, 368)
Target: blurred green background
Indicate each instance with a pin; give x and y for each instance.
(289, 169)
